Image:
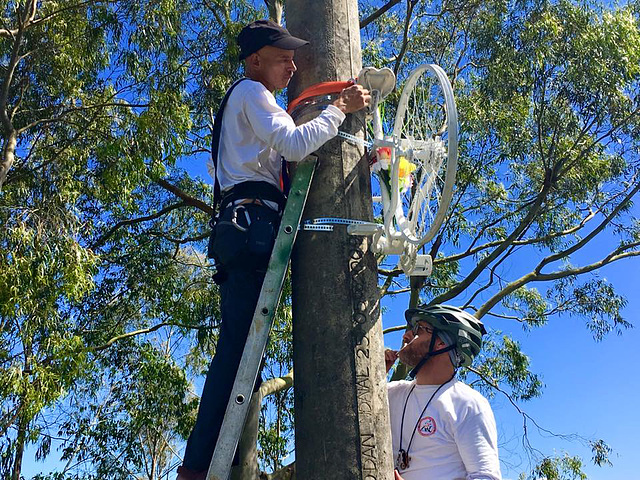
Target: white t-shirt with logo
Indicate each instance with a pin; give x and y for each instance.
(455, 438)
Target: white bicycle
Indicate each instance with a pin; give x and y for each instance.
(415, 165)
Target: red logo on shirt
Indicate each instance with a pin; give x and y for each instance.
(427, 426)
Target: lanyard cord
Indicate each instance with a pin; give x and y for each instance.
(419, 417)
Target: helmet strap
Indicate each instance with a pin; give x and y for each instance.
(429, 354)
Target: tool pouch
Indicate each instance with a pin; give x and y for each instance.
(244, 236)
(262, 231)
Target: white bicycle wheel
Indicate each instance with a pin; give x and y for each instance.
(426, 125)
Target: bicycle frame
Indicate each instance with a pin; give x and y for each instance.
(398, 237)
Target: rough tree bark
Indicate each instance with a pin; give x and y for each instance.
(342, 424)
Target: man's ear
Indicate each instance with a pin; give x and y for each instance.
(253, 60)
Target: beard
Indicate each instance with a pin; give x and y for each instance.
(413, 353)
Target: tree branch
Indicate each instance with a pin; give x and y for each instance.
(274, 385)
(596, 231)
(188, 199)
(398, 292)
(394, 329)
(520, 229)
(30, 11)
(378, 13)
(100, 241)
(214, 10)
(530, 241)
(494, 384)
(58, 118)
(618, 254)
(405, 36)
(9, 149)
(142, 332)
(275, 10)
(492, 275)
(391, 274)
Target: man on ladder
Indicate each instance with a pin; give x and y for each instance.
(247, 151)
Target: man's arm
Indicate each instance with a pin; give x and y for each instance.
(275, 127)
(477, 440)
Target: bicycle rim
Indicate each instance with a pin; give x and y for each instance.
(426, 124)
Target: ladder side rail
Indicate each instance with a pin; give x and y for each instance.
(238, 406)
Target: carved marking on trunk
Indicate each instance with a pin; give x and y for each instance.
(361, 318)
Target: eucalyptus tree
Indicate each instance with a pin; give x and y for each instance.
(107, 310)
(547, 94)
(98, 101)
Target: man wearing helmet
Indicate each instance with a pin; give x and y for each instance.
(441, 428)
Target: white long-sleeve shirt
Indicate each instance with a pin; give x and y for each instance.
(256, 131)
(454, 439)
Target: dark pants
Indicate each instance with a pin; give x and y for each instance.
(238, 298)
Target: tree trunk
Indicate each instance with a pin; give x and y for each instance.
(342, 424)
(8, 156)
(19, 450)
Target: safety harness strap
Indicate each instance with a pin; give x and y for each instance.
(259, 190)
(215, 143)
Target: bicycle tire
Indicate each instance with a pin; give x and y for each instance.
(427, 119)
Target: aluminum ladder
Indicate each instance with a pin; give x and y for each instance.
(236, 414)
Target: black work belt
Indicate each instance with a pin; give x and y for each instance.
(258, 190)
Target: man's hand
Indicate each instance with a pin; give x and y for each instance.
(390, 357)
(353, 98)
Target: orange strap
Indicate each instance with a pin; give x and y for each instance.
(324, 88)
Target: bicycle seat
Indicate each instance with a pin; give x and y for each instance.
(383, 80)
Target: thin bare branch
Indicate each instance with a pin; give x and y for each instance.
(132, 221)
(549, 180)
(391, 274)
(492, 275)
(618, 254)
(59, 118)
(614, 213)
(398, 292)
(405, 35)
(188, 199)
(529, 241)
(494, 384)
(142, 331)
(397, 328)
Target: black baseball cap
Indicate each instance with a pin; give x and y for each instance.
(261, 33)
